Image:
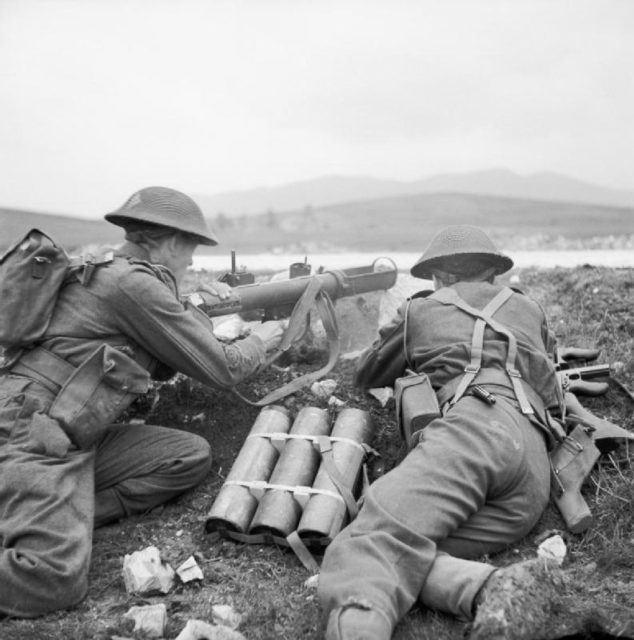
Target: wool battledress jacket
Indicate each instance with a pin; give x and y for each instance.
(64, 467)
(433, 338)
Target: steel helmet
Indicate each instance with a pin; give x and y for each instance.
(459, 246)
(167, 208)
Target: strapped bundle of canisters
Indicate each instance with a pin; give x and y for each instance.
(294, 485)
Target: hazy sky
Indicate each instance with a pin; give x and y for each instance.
(99, 98)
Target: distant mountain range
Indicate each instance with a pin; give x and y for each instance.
(395, 223)
(359, 213)
(320, 192)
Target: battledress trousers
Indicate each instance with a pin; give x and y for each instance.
(52, 492)
(478, 479)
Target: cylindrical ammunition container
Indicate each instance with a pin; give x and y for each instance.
(324, 516)
(279, 510)
(235, 505)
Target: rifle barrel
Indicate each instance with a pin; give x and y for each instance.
(285, 293)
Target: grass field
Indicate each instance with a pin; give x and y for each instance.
(586, 306)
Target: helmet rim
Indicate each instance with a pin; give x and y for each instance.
(164, 207)
(460, 241)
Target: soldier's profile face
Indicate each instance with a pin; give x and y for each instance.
(181, 258)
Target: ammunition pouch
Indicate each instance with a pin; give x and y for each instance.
(90, 397)
(416, 405)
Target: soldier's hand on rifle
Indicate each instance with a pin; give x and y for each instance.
(571, 361)
(271, 332)
(221, 290)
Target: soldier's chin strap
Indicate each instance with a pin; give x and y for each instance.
(313, 296)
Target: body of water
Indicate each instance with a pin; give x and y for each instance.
(279, 262)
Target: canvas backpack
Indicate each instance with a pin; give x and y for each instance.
(32, 272)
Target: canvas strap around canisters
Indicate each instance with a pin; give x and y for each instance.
(313, 296)
(449, 296)
(302, 494)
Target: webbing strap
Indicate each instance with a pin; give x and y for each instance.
(45, 367)
(312, 295)
(277, 437)
(477, 343)
(449, 296)
(301, 493)
(292, 540)
(302, 552)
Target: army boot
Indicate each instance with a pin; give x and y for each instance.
(358, 621)
(517, 602)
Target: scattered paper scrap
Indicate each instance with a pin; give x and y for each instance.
(225, 615)
(230, 328)
(150, 619)
(144, 572)
(553, 548)
(312, 582)
(189, 570)
(382, 394)
(352, 355)
(324, 388)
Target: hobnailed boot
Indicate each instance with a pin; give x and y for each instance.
(358, 621)
(516, 602)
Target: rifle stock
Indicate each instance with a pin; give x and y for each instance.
(574, 458)
(580, 379)
(276, 300)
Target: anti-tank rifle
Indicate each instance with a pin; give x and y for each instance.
(277, 299)
(295, 298)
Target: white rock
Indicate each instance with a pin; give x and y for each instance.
(382, 394)
(324, 388)
(199, 630)
(189, 570)
(229, 328)
(150, 619)
(144, 572)
(333, 401)
(351, 355)
(553, 548)
(312, 582)
(225, 615)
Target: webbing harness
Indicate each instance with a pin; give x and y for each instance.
(484, 317)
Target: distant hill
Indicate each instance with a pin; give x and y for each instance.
(407, 223)
(330, 190)
(70, 232)
(398, 223)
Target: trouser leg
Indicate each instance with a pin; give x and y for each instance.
(504, 519)
(473, 455)
(46, 518)
(140, 466)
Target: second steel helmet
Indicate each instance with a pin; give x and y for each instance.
(167, 208)
(459, 245)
